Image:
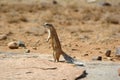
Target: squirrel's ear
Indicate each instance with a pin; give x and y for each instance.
(47, 24)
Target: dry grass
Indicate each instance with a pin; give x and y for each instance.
(69, 11)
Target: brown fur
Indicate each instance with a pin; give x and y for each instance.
(57, 50)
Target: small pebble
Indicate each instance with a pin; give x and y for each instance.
(109, 58)
(99, 58)
(108, 53)
(105, 4)
(54, 2)
(74, 49)
(21, 44)
(27, 51)
(85, 54)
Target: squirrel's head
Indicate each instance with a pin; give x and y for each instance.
(47, 25)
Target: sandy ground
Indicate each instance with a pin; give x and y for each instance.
(86, 30)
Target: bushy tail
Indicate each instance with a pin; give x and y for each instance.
(69, 59)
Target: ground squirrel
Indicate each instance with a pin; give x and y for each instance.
(57, 50)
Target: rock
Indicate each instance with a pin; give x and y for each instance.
(85, 54)
(108, 53)
(82, 76)
(55, 2)
(105, 4)
(27, 51)
(21, 44)
(99, 58)
(13, 45)
(74, 49)
(109, 58)
(119, 71)
(117, 51)
(3, 37)
(47, 70)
